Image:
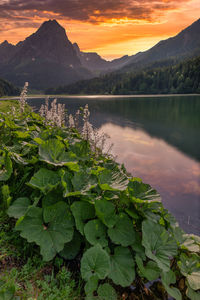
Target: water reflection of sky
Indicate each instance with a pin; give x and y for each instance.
(173, 174)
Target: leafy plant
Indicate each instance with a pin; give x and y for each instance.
(75, 205)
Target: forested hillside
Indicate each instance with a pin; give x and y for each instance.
(7, 89)
(180, 78)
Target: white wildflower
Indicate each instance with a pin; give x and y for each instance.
(23, 97)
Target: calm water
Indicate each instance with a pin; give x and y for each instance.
(157, 138)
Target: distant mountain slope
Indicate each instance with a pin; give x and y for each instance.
(96, 63)
(184, 45)
(48, 59)
(7, 89)
(181, 78)
(44, 59)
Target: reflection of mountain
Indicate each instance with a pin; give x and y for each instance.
(173, 119)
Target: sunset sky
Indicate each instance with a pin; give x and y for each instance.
(110, 27)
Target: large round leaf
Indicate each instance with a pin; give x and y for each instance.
(82, 211)
(95, 233)
(113, 180)
(19, 208)
(159, 244)
(50, 228)
(83, 182)
(53, 152)
(95, 261)
(141, 191)
(122, 267)
(105, 211)
(44, 180)
(122, 233)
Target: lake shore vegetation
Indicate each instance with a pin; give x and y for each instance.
(75, 225)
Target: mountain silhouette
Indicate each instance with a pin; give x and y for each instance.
(48, 59)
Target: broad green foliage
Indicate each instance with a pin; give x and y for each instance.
(82, 212)
(122, 233)
(159, 246)
(106, 291)
(95, 261)
(50, 228)
(19, 208)
(150, 271)
(53, 152)
(77, 206)
(170, 278)
(113, 180)
(95, 233)
(106, 212)
(44, 180)
(190, 267)
(122, 267)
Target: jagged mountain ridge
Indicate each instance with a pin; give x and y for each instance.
(48, 59)
(45, 58)
(96, 63)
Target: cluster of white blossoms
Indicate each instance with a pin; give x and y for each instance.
(23, 97)
(55, 114)
(98, 140)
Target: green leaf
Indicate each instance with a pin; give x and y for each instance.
(66, 182)
(113, 180)
(6, 199)
(52, 235)
(122, 233)
(44, 180)
(192, 294)
(81, 149)
(159, 244)
(82, 211)
(150, 271)
(122, 267)
(95, 233)
(95, 261)
(106, 291)
(106, 212)
(170, 278)
(5, 167)
(53, 152)
(142, 191)
(191, 243)
(190, 267)
(83, 182)
(22, 135)
(194, 280)
(72, 248)
(91, 285)
(19, 208)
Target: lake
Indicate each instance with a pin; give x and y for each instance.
(157, 139)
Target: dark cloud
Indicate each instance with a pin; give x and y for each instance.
(93, 11)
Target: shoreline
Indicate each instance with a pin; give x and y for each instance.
(98, 96)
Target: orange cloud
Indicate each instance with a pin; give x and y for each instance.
(111, 27)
